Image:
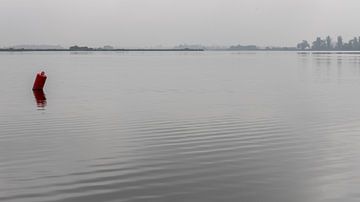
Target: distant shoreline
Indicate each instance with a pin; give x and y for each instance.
(182, 50)
(95, 50)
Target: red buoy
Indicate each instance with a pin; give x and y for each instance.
(39, 81)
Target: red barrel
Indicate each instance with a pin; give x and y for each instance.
(39, 81)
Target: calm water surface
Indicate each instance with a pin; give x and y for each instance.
(196, 126)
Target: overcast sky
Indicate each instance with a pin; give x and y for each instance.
(135, 23)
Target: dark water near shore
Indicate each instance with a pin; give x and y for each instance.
(189, 126)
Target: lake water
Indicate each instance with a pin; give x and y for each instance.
(180, 126)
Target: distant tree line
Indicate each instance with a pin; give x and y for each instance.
(80, 48)
(329, 44)
(247, 47)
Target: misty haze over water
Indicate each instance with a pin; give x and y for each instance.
(169, 100)
(142, 23)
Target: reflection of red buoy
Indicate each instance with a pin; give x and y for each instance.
(39, 81)
(40, 98)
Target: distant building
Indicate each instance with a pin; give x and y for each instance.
(108, 48)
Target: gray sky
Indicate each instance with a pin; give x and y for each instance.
(135, 23)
